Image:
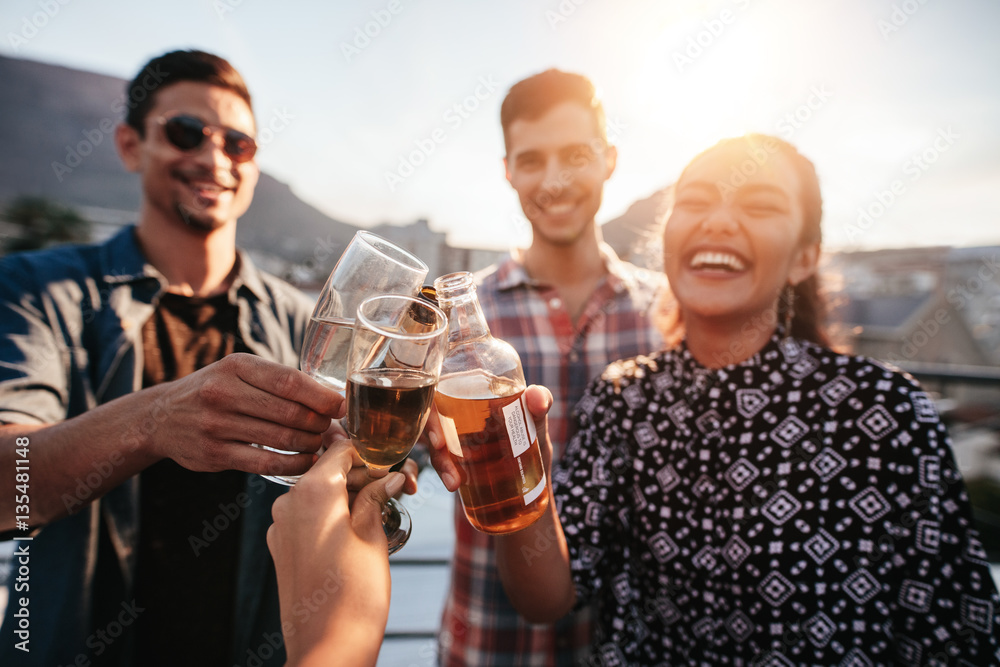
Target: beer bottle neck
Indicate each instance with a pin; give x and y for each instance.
(466, 321)
(456, 295)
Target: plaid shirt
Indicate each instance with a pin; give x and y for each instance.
(479, 626)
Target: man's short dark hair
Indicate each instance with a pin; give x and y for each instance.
(535, 96)
(174, 67)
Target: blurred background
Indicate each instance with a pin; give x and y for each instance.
(384, 114)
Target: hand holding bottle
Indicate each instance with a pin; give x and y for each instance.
(482, 419)
(537, 398)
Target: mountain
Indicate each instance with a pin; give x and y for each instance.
(635, 235)
(56, 129)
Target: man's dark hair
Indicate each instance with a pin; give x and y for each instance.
(175, 67)
(533, 97)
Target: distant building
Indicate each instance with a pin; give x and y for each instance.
(928, 305)
(432, 247)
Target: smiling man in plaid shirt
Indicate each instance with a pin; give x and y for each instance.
(570, 307)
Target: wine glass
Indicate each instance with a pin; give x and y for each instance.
(369, 266)
(398, 346)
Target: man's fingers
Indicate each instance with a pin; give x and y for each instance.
(285, 382)
(243, 457)
(261, 404)
(441, 459)
(539, 402)
(275, 436)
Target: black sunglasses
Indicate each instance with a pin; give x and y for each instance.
(188, 133)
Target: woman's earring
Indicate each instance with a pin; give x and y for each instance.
(789, 346)
(789, 309)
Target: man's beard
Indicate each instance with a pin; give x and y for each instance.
(196, 222)
(191, 214)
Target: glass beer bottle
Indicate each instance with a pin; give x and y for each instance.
(488, 429)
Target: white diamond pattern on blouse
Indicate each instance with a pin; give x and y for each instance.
(781, 507)
(836, 390)
(789, 431)
(916, 596)
(862, 586)
(821, 546)
(776, 589)
(870, 505)
(877, 422)
(751, 401)
(662, 547)
(741, 473)
(827, 464)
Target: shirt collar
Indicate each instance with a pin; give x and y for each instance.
(123, 262)
(511, 272)
(776, 355)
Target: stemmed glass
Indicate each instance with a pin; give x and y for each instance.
(397, 349)
(369, 266)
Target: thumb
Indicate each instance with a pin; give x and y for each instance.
(366, 513)
(539, 400)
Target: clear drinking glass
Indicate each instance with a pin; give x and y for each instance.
(369, 266)
(394, 363)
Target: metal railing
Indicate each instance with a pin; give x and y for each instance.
(948, 374)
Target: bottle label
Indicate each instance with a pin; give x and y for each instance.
(532, 495)
(532, 434)
(517, 431)
(522, 434)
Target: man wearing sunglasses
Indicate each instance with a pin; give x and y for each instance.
(133, 376)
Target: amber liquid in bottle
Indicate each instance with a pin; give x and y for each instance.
(493, 441)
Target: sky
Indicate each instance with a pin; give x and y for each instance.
(386, 111)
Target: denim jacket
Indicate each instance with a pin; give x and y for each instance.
(70, 325)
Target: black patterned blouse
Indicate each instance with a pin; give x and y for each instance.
(800, 508)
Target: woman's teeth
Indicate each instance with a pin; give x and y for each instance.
(717, 260)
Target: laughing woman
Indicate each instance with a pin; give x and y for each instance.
(750, 496)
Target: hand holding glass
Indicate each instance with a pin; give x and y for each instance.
(369, 266)
(395, 360)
